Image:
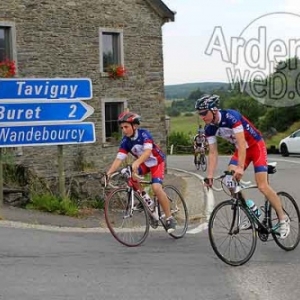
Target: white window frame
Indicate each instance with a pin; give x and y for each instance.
(103, 102)
(121, 48)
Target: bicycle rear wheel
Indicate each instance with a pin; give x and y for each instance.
(232, 245)
(129, 226)
(291, 209)
(203, 161)
(178, 210)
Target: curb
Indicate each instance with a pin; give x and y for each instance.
(24, 225)
(14, 224)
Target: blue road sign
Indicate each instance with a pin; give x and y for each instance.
(43, 135)
(46, 88)
(47, 111)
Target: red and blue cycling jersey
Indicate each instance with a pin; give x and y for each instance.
(136, 145)
(232, 122)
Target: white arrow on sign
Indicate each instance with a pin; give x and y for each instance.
(50, 112)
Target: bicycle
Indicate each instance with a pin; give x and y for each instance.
(200, 159)
(128, 217)
(226, 220)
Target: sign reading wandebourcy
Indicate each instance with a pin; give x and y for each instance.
(45, 111)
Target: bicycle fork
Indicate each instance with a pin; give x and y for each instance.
(129, 205)
(235, 229)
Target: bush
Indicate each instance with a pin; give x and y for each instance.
(179, 138)
(50, 203)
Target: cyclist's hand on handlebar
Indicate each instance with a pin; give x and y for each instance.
(238, 173)
(208, 182)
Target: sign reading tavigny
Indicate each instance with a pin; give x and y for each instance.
(49, 88)
(36, 111)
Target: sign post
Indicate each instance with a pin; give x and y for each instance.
(45, 112)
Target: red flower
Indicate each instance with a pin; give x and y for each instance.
(116, 71)
(7, 68)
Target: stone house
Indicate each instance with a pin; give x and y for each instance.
(75, 39)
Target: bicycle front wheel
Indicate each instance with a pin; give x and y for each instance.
(198, 163)
(178, 210)
(291, 209)
(233, 244)
(129, 224)
(203, 161)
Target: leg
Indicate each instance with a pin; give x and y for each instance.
(259, 157)
(162, 198)
(264, 187)
(195, 156)
(157, 174)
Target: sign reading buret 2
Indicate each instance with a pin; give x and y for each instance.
(38, 111)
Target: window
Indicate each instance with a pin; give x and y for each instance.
(5, 43)
(7, 40)
(111, 108)
(111, 48)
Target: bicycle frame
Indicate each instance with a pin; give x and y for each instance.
(134, 186)
(239, 200)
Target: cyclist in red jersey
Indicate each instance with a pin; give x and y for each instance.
(149, 159)
(250, 147)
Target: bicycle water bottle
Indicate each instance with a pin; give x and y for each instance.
(148, 200)
(250, 203)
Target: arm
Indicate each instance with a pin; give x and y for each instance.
(146, 154)
(241, 144)
(115, 165)
(212, 160)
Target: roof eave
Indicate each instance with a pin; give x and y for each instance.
(162, 10)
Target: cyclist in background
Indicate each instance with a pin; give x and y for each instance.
(149, 159)
(200, 143)
(250, 147)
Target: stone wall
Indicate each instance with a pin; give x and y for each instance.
(61, 39)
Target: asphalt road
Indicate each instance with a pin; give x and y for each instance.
(45, 265)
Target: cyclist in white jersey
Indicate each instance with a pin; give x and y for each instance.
(200, 143)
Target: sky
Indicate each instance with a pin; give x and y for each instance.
(215, 40)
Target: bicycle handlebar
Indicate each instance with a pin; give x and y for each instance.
(231, 183)
(127, 172)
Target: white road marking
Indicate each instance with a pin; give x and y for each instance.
(198, 229)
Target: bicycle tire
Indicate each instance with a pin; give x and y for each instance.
(179, 211)
(130, 228)
(225, 216)
(197, 164)
(292, 210)
(203, 161)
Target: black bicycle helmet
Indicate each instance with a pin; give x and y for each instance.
(129, 117)
(207, 102)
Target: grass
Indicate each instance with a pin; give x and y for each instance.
(185, 124)
(52, 204)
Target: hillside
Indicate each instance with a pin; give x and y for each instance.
(181, 91)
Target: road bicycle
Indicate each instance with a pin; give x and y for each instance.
(129, 217)
(231, 241)
(200, 160)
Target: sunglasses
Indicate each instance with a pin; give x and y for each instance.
(203, 113)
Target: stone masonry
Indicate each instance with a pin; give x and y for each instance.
(61, 39)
